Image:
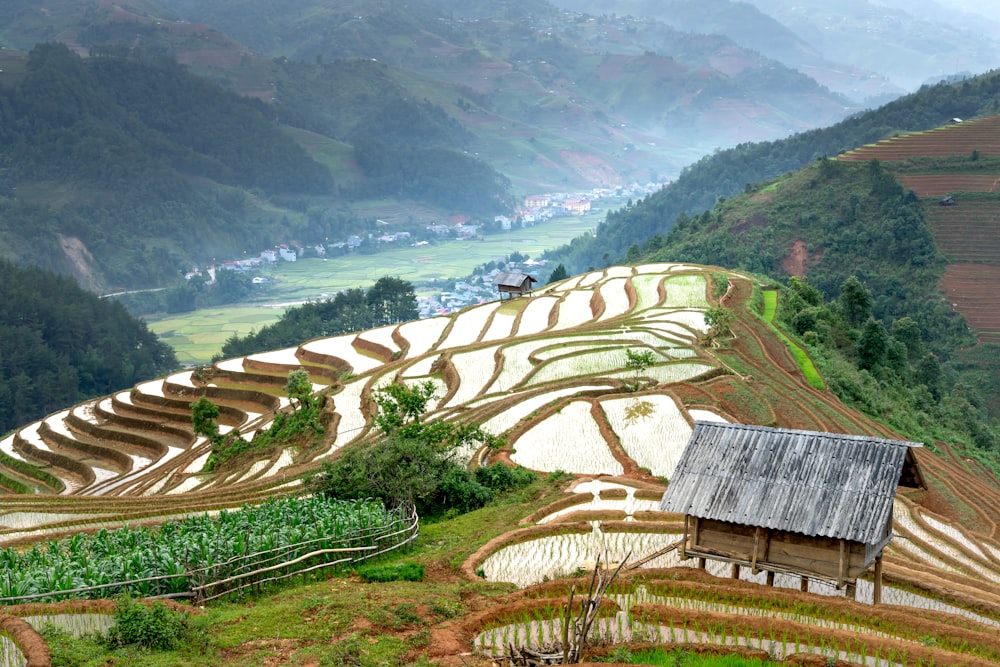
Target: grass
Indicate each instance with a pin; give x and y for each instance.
(681, 658)
(801, 356)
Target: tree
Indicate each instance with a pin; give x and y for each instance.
(855, 301)
(809, 294)
(873, 345)
(232, 286)
(558, 273)
(719, 320)
(401, 406)
(928, 373)
(299, 388)
(907, 332)
(203, 415)
(415, 459)
(638, 361)
(391, 300)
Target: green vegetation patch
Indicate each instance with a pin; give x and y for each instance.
(681, 658)
(392, 572)
(800, 355)
(175, 548)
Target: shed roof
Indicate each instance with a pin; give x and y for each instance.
(808, 482)
(513, 279)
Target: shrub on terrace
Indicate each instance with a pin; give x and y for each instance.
(416, 462)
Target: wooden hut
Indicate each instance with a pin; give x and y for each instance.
(816, 505)
(514, 283)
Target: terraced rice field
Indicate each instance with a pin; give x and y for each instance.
(939, 185)
(965, 232)
(549, 374)
(670, 601)
(981, 134)
(972, 291)
(141, 443)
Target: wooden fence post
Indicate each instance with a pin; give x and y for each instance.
(877, 591)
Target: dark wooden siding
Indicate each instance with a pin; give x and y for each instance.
(778, 550)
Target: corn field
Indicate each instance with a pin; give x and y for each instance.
(205, 556)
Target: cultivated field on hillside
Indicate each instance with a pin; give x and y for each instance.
(550, 374)
(960, 138)
(965, 229)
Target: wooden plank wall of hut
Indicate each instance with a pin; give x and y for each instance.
(818, 556)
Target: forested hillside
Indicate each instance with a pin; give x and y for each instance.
(730, 171)
(538, 87)
(122, 169)
(864, 296)
(60, 345)
(137, 165)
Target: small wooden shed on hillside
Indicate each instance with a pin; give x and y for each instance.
(817, 505)
(514, 283)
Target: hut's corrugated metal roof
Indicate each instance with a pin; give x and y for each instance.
(512, 279)
(808, 482)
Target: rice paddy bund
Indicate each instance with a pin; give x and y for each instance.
(551, 374)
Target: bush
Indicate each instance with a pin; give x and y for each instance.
(393, 572)
(154, 627)
(399, 470)
(500, 477)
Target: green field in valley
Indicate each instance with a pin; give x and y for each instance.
(197, 335)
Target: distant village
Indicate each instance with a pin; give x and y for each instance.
(481, 285)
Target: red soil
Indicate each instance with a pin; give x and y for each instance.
(795, 263)
(972, 291)
(938, 185)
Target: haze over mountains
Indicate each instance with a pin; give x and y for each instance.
(867, 50)
(419, 110)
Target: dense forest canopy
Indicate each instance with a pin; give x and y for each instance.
(139, 162)
(60, 345)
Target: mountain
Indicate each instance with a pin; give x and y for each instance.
(124, 169)
(499, 75)
(405, 104)
(893, 270)
(912, 48)
(627, 95)
(870, 51)
(730, 171)
(119, 170)
(751, 28)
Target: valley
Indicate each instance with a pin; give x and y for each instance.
(432, 269)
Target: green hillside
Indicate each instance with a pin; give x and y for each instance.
(124, 169)
(865, 271)
(547, 94)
